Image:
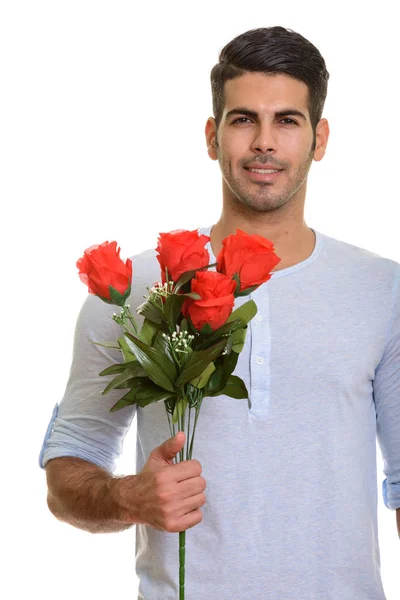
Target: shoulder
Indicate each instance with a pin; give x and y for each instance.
(358, 259)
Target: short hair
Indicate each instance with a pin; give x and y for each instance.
(272, 50)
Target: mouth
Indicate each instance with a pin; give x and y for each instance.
(263, 174)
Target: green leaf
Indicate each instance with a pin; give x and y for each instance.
(148, 332)
(119, 379)
(163, 345)
(235, 388)
(133, 365)
(225, 365)
(238, 339)
(229, 345)
(214, 383)
(198, 361)
(151, 312)
(218, 333)
(129, 383)
(121, 367)
(190, 327)
(155, 363)
(184, 325)
(246, 292)
(172, 308)
(206, 329)
(134, 371)
(126, 351)
(184, 357)
(105, 344)
(144, 393)
(244, 313)
(229, 362)
(185, 277)
(116, 368)
(179, 410)
(147, 392)
(202, 380)
(118, 298)
(122, 403)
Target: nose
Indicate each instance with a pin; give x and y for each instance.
(264, 139)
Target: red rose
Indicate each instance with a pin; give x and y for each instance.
(252, 257)
(180, 251)
(105, 273)
(217, 299)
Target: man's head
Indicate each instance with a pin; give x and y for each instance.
(272, 50)
(260, 75)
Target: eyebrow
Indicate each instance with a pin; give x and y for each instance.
(240, 110)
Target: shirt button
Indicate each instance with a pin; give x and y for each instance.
(259, 360)
(258, 317)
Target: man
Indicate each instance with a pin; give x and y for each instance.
(281, 500)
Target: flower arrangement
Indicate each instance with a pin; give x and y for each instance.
(191, 338)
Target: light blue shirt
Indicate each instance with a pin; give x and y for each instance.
(291, 511)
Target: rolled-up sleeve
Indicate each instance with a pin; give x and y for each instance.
(82, 425)
(386, 386)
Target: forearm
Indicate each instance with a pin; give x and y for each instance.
(84, 495)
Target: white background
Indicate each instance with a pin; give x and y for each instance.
(93, 94)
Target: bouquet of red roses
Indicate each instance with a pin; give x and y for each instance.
(190, 339)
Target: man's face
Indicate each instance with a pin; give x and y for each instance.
(251, 134)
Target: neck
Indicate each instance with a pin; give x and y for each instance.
(293, 243)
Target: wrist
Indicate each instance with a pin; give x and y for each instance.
(122, 499)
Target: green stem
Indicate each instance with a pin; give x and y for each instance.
(181, 427)
(198, 406)
(176, 359)
(181, 420)
(169, 423)
(182, 534)
(173, 435)
(187, 439)
(131, 319)
(182, 552)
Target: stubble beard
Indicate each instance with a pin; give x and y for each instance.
(267, 198)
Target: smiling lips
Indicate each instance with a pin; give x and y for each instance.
(263, 173)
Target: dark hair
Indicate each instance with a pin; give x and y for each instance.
(272, 50)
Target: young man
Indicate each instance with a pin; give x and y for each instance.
(281, 500)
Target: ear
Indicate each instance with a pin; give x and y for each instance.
(211, 138)
(322, 136)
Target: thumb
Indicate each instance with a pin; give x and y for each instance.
(170, 447)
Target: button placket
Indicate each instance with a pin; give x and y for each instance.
(259, 359)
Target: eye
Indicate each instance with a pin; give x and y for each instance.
(287, 119)
(241, 119)
(244, 119)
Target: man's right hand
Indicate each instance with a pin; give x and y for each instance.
(168, 496)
